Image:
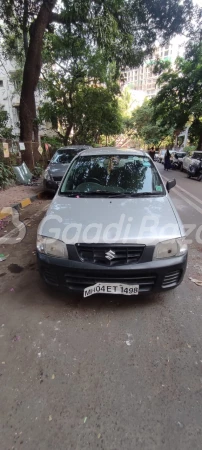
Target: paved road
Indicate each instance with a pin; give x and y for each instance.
(99, 373)
(187, 196)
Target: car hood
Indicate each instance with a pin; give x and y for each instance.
(97, 220)
(57, 170)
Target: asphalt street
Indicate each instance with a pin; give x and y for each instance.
(104, 372)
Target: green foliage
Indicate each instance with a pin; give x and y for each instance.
(55, 142)
(16, 79)
(122, 33)
(125, 102)
(7, 177)
(125, 30)
(149, 130)
(5, 131)
(189, 148)
(82, 94)
(38, 170)
(179, 100)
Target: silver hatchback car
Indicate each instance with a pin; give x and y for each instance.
(58, 165)
(112, 227)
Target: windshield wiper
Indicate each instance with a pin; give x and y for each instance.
(71, 194)
(86, 193)
(137, 194)
(111, 194)
(146, 194)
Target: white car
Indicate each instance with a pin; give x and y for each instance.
(188, 161)
(112, 227)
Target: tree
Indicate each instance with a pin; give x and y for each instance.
(127, 30)
(82, 95)
(180, 97)
(151, 131)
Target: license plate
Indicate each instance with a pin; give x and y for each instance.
(111, 288)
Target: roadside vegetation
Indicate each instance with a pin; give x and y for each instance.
(74, 51)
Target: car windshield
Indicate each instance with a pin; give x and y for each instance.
(64, 156)
(197, 156)
(111, 175)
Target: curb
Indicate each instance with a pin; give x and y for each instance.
(7, 211)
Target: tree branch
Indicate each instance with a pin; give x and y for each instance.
(58, 18)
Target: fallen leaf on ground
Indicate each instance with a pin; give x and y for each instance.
(53, 377)
(50, 418)
(85, 419)
(197, 282)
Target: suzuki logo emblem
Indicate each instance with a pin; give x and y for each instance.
(110, 255)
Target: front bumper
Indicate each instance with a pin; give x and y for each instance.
(153, 276)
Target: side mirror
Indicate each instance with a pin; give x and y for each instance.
(54, 185)
(170, 184)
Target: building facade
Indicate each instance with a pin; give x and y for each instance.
(143, 78)
(9, 97)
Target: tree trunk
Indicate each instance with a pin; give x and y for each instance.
(31, 75)
(199, 147)
(67, 134)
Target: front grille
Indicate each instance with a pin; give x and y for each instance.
(118, 255)
(57, 178)
(81, 280)
(171, 279)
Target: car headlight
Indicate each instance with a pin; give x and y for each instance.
(168, 249)
(51, 247)
(47, 175)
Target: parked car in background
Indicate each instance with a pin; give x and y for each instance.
(91, 252)
(59, 164)
(193, 165)
(161, 156)
(177, 160)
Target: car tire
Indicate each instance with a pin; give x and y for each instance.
(199, 178)
(189, 175)
(181, 168)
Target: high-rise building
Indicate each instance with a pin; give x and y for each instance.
(143, 78)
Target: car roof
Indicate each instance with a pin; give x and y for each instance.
(112, 151)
